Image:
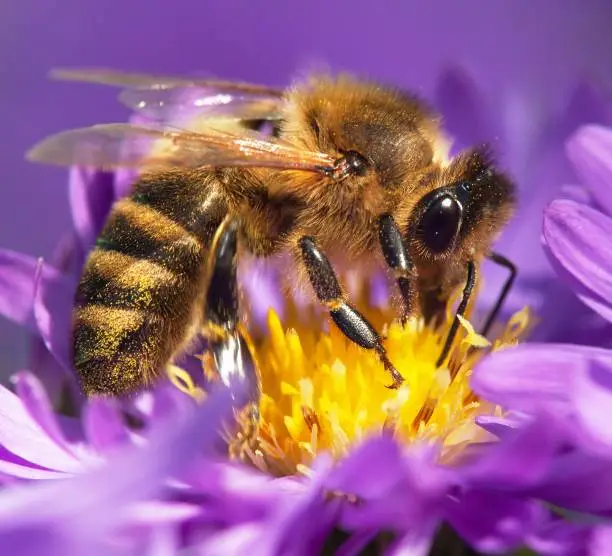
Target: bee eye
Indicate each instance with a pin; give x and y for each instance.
(356, 164)
(440, 223)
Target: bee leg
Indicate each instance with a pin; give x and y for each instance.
(232, 355)
(397, 258)
(506, 263)
(352, 324)
(467, 291)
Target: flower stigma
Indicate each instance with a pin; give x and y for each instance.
(322, 393)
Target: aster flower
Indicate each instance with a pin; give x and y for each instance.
(336, 450)
(570, 386)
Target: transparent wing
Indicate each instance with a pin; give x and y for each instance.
(109, 146)
(166, 99)
(115, 78)
(165, 105)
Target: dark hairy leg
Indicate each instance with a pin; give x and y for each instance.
(232, 356)
(397, 259)
(503, 294)
(467, 291)
(328, 291)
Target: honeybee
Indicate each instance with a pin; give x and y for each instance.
(347, 167)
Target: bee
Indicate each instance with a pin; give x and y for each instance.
(347, 169)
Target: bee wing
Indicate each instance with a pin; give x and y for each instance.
(122, 79)
(165, 105)
(166, 98)
(109, 146)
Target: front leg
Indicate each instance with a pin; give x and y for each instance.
(352, 324)
(399, 262)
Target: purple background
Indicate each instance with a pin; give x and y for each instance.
(534, 45)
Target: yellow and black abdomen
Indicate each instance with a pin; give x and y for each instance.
(138, 299)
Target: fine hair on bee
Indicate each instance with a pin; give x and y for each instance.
(352, 170)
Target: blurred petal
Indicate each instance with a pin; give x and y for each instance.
(156, 513)
(18, 276)
(578, 482)
(91, 197)
(579, 241)
(571, 385)
(493, 521)
(601, 541)
(104, 426)
(36, 403)
(21, 435)
(413, 544)
(464, 109)
(399, 490)
(13, 467)
(560, 538)
(238, 541)
(591, 393)
(53, 302)
(534, 377)
(590, 151)
(130, 476)
(521, 459)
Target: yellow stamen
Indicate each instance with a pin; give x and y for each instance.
(322, 393)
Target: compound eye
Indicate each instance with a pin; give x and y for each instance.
(355, 164)
(439, 224)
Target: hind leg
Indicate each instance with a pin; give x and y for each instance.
(232, 357)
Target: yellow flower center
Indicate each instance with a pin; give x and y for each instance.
(320, 392)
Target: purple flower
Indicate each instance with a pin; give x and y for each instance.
(570, 386)
(164, 484)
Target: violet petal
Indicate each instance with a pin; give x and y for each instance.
(18, 274)
(91, 197)
(591, 393)
(534, 377)
(578, 482)
(463, 108)
(53, 302)
(104, 426)
(578, 240)
(559, 537)
(521, 459)
(21, 435)
(590, 151)
(35, 401)
(132, 475)
(601, 541)
(493, 521)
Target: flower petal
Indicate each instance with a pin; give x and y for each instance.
(578, 482)
(463, 108)
(591, 393)
(13, 467)
(104, 426)
(22, 436)
(132, 475)
(91, 196)
(590, 151)
(601, 541)
(559, 537)
(36, 403)
(534, 377)
(578, 240)
(18, 274)
(521, 459)
(53, 302)
(492, 521)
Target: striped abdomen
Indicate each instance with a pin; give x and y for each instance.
(139, 295)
